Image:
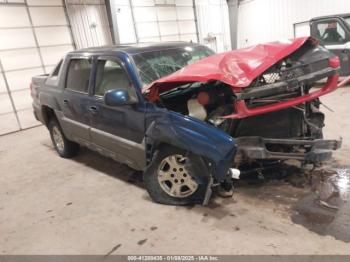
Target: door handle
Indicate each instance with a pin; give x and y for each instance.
(93, 109)
(65, 101)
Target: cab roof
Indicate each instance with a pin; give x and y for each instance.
(134, 48)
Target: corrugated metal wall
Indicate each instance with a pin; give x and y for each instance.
(269, 20)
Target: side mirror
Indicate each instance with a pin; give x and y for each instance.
(118, 97)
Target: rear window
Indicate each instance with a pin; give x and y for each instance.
(78, 75)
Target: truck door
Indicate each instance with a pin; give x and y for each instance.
(118, 131)
(335, 36)
(75, 99)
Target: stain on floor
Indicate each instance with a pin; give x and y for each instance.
(141, 242)
(326, 210)
(113, 249)
(318, 200)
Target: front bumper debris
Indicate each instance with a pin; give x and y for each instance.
(314, 151)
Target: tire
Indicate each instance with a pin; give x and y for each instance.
(176, 178)
(64, 147)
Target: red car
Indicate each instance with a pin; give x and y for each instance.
(261, 95)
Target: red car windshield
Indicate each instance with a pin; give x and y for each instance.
(157, 64)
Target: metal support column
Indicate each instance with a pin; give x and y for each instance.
(195, 18)
(112, 21)
(233, 21)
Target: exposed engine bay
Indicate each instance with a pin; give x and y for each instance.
(199, 100)
(211, 101)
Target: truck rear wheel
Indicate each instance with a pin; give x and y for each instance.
(176, 178)
(64, 147)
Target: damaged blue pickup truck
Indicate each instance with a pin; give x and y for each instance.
(185, 116)
(94, 98)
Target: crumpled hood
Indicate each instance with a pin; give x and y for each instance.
(237, 68)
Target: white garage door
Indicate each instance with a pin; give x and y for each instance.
(89, 22)
(34, 35)
(155, 20)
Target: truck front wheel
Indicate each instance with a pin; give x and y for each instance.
(176, 178)
(64, 147)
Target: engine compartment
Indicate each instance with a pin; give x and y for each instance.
(209, 102)
(199, 100)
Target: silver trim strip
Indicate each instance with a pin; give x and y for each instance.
(75, 122)
(120, 139)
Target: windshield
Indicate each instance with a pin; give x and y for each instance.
(157, 64)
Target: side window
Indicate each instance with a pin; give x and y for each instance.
(331, 32)
(111, 75)
(78, 75)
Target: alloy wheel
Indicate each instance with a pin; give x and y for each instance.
(174, 178)
(58, 138)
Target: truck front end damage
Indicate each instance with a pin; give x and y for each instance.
(263, 96)
(277, 116)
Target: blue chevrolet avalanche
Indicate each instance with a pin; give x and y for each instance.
(93, 98)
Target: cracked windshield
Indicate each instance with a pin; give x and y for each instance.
(157, 64)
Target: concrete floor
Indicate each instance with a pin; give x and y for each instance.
(92, 205)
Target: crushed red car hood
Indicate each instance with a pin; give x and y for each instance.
(237, 68)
